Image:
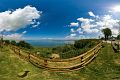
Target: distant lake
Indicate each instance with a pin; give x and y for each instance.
(49, 43)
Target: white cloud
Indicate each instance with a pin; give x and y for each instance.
(14, 36)
(34, 26)
(107, 17)
(85, 20)
(72, 30)
(116, 9)
(93, 26)
(95, 30)
(74, 24)
(71, 36)
(91, 14)
(20, 18)
(24, 32)
(79, 29)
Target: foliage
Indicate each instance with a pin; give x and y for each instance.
(118, 37)
(7, 41)
(80, 44)
(107, 33)
(63, 49)
(13, 42)
(24, 44)
(106, 66)
(72, 53)
(42, 51)
(68, 50)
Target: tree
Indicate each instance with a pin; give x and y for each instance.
(118, 37)
(24, 44)
(13, 42)
(107, 33)
(7, 42)
(79, 44)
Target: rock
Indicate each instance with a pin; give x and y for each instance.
(23, 74)
(55, 56)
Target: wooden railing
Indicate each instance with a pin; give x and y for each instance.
(115, 46)
(70, 64)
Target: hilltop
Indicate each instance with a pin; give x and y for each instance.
(105, 66)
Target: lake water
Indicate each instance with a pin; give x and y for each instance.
(49, 43)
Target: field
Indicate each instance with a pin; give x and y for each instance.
(105, 66)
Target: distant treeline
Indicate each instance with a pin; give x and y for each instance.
(68, 50)
(22, 44)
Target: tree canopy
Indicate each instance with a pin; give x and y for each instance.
(107, 33)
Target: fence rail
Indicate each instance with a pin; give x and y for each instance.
(115, 46)
(70, 64)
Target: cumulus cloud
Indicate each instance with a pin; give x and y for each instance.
(107, 17)
(91, 14)
(19, 18)
(35, 25)
(15, 36)
(24, 32)
(73, 24)
(71, 36)
(94, 25)
(72, 30)
(85, 20)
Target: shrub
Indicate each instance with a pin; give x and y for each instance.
(13, 42)
(7, 41)
(79, 44)
(24, 45)
(63, 49)
(72, 53)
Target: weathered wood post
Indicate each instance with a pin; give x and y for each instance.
(29, 56)
(118, 46)
(81, 59)
(13, 49)
(45, 63)
(19, 51)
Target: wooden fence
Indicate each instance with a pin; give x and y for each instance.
(115, 46)
(70, 64)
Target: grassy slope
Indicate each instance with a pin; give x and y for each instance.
(106, 67)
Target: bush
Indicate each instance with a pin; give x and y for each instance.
(69, 50)
(24, 45)
(7, 41)
(72, 53)
(13, 42)
(80, 44)
(62, 49)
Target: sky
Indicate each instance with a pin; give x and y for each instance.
(58, 19)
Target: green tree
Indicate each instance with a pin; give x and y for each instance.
(118, 37)
(24, 44)
(13, 42)
(7, 41)
(107, 33)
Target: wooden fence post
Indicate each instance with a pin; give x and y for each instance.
(29, 56)
(13, 49)
(19, 52)
(45, 63)
(81, 59)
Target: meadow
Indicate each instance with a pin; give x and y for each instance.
(105, 66)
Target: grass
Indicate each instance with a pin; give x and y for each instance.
(105, 66)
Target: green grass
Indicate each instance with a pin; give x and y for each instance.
(106, 66)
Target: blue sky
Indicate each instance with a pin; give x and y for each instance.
(57, 16)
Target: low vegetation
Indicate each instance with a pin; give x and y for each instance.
(68, 50)
(106, 66)
(64, 52)
(21, 44)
